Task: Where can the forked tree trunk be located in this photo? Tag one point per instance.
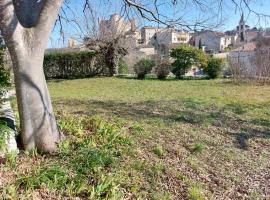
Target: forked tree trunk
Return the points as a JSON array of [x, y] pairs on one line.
[[26, 46], [38, 123]]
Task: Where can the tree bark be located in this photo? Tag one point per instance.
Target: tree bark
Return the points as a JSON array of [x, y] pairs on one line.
[[38, 123], [26, 47]]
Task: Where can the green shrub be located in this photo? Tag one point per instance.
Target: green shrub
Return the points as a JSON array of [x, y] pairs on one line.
[[213, 67], [4, 80], [4, 75], [195, 193], [163, 68], [5, 131], [73, 65], [143, 67], [158, 150], [122, 66], [197, 148], [184, 57]]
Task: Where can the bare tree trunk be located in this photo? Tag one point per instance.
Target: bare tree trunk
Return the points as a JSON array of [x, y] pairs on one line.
[[27, 46], [38, 123]]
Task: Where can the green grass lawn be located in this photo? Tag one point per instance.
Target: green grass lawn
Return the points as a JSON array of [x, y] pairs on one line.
[[151, 139]]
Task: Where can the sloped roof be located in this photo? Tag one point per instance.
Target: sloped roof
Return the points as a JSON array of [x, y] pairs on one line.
[[218, 34], [252, 33], [151, 27], [251, 46]]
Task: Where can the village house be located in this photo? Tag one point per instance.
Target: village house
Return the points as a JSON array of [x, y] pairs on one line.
[[213, 42], [150, 40], [172, 36], [154, 35], [243, 54], [148, 34]]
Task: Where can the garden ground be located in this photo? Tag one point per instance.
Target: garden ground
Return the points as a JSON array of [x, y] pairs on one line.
[[150, 139]]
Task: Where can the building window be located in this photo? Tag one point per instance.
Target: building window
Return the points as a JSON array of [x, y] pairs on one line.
[[181, 39]]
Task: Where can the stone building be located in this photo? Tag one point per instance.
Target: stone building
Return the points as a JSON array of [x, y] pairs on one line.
[[117, 26], [148, 34], [172, 36], [114, 26], [212, 41], [154, 35]]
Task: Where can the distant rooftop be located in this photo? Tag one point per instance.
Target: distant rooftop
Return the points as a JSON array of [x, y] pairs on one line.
[[220, 34], [246, 47], [152, 27]]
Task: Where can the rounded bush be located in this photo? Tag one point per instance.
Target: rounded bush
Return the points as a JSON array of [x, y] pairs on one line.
[[184, 58], [213, 67], [163, 68], [143, 67]]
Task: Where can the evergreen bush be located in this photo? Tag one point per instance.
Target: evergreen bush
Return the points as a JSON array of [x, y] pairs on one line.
[[184, 58], [213, 67], [73, 65], [143, 67]]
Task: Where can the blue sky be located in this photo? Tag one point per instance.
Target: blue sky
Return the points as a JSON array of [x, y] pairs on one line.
[[227, 19]]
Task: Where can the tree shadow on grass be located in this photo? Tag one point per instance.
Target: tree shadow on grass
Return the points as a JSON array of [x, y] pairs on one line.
[[179, 111], [245, 135], [154, 78]]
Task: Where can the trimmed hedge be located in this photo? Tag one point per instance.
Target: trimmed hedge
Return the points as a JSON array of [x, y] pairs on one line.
[[71, 65]]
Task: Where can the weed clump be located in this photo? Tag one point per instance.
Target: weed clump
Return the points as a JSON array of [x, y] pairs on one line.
[[158, 150], [197, 148], [195, 193]]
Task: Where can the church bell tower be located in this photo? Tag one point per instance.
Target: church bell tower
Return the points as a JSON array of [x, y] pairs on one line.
[[242, 29]]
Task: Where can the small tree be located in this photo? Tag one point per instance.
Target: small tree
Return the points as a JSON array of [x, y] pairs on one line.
[[213, 67], [200, 43], [163, 68], [184, 57], [112, 49], [143, 67]]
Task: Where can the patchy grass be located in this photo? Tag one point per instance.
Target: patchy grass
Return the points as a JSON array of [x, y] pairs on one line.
[[88, 164], [191, 139]]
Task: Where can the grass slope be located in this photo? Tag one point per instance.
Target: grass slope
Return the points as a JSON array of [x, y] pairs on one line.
[[193, 139]]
